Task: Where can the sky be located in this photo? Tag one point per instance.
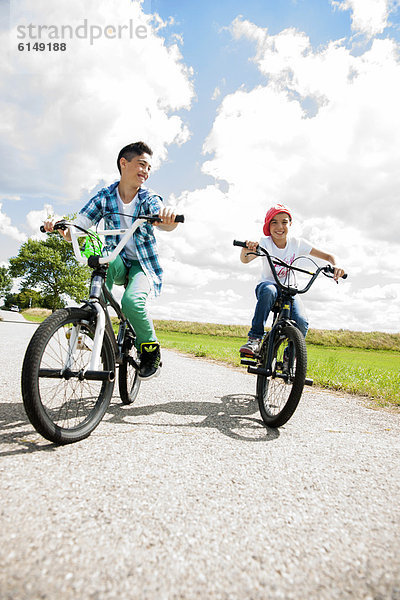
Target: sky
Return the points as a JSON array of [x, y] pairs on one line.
[[245, 105]]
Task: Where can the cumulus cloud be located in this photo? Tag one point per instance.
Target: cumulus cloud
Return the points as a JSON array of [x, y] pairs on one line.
[[367, 16], [321, 134], [67, 113], [9, 230]]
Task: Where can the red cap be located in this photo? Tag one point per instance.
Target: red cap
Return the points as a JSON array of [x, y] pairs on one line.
[[273, 211]]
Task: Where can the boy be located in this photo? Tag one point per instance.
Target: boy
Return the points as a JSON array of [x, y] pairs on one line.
[[277, 241], [138, 262]]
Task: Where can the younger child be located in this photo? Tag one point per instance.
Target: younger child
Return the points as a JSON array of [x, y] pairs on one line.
[[278, 243]]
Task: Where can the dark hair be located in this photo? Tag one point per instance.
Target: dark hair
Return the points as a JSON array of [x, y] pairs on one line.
[[131, 150]]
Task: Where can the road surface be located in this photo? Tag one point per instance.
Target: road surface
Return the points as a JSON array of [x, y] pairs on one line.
[[186, 495]]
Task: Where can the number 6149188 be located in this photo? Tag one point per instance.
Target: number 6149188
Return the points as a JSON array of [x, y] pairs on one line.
[[42, 47]]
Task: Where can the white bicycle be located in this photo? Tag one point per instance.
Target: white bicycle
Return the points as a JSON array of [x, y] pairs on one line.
[[70, 365]]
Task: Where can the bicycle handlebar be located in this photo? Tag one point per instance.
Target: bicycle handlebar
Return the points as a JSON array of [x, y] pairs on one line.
[[125, 235], [325, 269], [150, 219]]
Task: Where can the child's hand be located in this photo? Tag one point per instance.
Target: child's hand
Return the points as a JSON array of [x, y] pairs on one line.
[[167, 219], [49, 227], [337, 273], [167, 216], [252, 246], [245, 256]]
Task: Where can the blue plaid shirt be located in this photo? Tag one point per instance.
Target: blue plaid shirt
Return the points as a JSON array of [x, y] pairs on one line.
[[148, 203]]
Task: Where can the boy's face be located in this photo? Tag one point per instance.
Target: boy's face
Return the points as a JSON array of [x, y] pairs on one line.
[[279, 228], [136, 171]]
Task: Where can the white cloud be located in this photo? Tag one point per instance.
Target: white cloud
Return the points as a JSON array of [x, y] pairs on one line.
[[321, 134], [9, 230], [67, 114], [368, 16]]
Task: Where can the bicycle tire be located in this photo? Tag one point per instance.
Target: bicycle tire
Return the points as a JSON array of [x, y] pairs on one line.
[[65, 410], [279, 394], [128, 374]]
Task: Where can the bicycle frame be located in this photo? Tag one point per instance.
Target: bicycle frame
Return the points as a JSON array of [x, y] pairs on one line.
[[97, 288]]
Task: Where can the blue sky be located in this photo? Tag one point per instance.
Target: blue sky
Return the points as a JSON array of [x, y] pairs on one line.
[[218, 60], [245, 104]]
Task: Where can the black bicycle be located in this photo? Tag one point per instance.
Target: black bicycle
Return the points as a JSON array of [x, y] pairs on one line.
[[70, 365], [281, 363]]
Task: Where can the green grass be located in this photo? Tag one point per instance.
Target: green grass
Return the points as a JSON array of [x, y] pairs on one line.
[[375, 340], [372, 373], [364, 363]]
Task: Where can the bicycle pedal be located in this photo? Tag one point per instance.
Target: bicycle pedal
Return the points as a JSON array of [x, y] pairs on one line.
[[308, 381], [258, 371], [248, 362]]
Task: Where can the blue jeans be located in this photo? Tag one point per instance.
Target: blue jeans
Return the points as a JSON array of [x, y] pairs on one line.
[[267, 293]]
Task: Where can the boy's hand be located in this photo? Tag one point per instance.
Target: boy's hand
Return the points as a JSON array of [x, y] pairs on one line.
[[252, 246], [245, 257], [337, 273], [167, 219], [49, 227]]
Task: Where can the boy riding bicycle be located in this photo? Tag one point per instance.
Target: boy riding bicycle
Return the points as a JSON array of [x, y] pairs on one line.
[[137, 265], [278, 243]]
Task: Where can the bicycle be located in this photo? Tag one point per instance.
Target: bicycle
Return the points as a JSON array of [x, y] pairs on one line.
[[70, 364], [281, 362]]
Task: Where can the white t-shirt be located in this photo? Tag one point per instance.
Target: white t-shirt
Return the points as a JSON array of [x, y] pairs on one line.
[[294, 248], [126, 211]]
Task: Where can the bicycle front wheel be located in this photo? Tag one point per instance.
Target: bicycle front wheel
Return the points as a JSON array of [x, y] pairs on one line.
[[128, 373], [62, 405], [279, 394]]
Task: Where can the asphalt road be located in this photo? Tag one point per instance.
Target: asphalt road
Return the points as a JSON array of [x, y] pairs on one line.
[[186, 495]]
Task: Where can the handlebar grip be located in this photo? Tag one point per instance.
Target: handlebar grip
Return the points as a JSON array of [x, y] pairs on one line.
[[180, 219], [330, 269], [58, 225], [241, 244]]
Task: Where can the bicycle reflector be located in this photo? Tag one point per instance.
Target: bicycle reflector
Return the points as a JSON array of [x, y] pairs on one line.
[[93, 246]]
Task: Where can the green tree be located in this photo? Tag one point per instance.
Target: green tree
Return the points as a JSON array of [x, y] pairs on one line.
[[5, 281], [26, 298], [51, 267]]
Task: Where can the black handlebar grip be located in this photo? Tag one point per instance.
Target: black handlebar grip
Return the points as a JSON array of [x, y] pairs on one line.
[[180, 219], [58, 225], [345, 276], [241, 244]]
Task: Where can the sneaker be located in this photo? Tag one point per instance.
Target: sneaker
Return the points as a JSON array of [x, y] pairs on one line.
[[251, 347], [150, 360]]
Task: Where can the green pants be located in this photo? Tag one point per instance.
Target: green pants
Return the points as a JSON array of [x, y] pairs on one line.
[[134, 300]]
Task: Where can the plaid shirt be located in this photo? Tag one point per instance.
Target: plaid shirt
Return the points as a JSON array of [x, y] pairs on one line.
[[148, 203]]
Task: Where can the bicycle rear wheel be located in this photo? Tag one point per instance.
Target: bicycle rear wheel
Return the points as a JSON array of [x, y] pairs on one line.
[[128, 374], [279, 394], [61, 404]]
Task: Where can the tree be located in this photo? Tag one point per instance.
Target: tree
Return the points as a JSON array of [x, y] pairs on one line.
[[5, 281], [26, 298], [51, 267]]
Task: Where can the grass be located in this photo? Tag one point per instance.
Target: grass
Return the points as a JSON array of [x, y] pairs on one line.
[[371, 373], [364, 363]]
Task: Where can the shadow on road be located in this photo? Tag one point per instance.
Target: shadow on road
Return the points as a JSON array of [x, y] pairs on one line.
[[232, 416], [16, 431]]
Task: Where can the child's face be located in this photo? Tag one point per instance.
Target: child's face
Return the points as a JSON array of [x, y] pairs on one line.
[[136, 170], [279, 228]]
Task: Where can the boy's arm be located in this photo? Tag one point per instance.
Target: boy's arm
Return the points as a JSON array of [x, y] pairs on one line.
[[338, 272], [244, 256]]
